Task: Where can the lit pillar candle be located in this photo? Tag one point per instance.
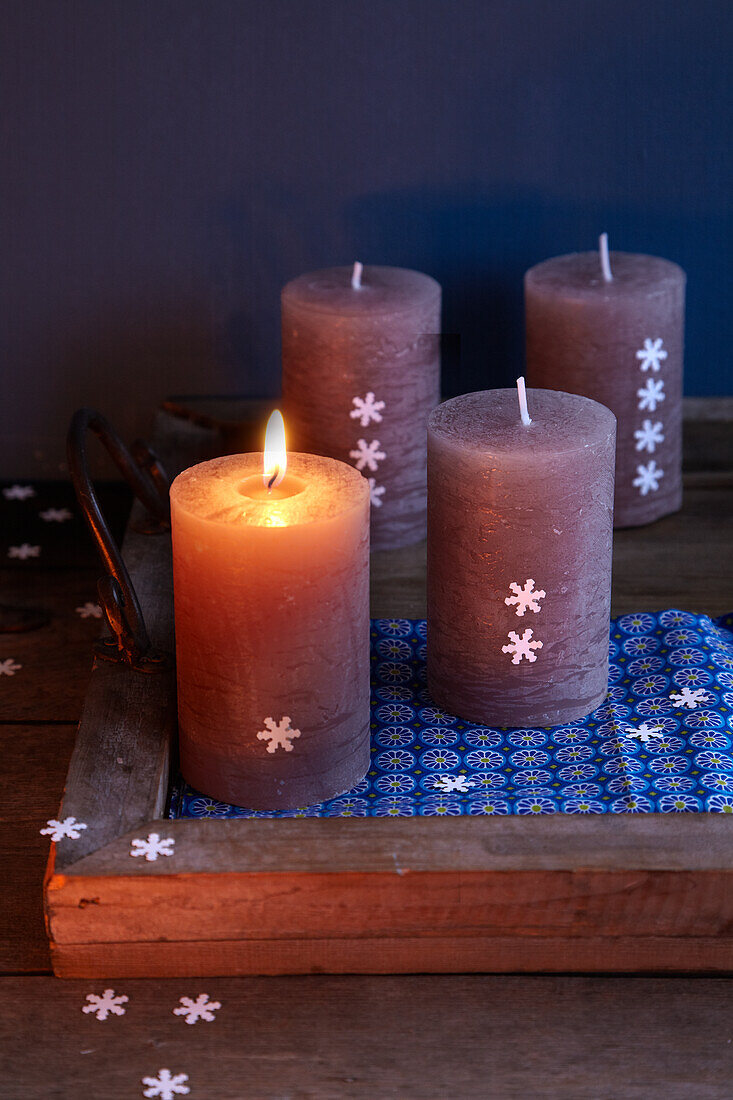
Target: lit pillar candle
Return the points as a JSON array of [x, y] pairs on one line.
[[361, 373], [519, 556], [271, 583], [610, 327]]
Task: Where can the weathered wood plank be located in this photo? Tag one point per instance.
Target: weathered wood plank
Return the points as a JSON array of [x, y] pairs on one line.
[[337, 1038]]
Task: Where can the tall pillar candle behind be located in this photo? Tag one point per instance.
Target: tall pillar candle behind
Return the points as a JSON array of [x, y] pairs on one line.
[[611, 327], [519, 556], [361, 373]]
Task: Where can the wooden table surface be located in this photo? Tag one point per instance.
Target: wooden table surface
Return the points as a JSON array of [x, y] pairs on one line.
[[334, 1037]]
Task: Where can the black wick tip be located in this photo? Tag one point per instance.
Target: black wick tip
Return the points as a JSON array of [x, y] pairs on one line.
[[273, 479]]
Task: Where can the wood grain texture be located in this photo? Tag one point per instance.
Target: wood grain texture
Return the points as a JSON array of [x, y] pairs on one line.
[[358, 1038]]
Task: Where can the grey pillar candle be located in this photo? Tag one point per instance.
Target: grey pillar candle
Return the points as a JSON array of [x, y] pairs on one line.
[[618, 340], [361, 373], [519, 556]]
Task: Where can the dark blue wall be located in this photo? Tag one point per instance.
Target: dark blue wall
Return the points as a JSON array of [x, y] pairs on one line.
[[170, 164]]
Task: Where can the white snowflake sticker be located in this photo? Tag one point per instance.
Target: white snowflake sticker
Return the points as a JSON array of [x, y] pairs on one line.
[[166, 1085], [525, 597], [19, 492], [278, 734], [690, 698], [645, 732], [367, 409], [200, 1009], [521, 647], [376, 492], [24, 551], [108, 1003], [9, 667], [648, 436], [89, 610], [58, 830], [651, 355], [647, 478], [367, 455], [449, 783], [55, 515], [153, 846], [651, 394]]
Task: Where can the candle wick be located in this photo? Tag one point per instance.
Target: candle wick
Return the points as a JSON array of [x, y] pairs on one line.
[[605, 261], [273, 479], [523, 410], [356, 276]]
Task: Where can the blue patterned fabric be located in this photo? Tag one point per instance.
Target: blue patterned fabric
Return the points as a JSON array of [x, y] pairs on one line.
[[642, 751]]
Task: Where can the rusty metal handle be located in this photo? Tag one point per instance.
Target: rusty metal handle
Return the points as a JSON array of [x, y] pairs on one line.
[[145, 475]]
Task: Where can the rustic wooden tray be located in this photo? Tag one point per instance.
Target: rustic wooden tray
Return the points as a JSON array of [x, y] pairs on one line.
[[243, 896]]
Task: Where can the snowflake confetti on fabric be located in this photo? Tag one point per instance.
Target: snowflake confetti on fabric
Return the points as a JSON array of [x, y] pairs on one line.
[[651, 394], [648, 435], [19, 492], [24, 551], [152, 847], [367, 455], [108, 1003], [9, 667], [690, 698], [645, 732], [651, 355], [367, 409], [69, 827], [376, 492], [449, 783], [521, 647], [55, 515], [200, 1009], [279, 734], [166, 1085], [525, 597], [89, 610], [647, 478]]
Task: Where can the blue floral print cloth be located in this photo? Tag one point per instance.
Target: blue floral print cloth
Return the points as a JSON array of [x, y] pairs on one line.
[[660, 743]]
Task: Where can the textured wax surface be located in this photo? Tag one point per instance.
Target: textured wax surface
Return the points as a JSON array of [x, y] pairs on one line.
[[429, 762], [341, 345], [620, 343], [513, 507], [272, 633]]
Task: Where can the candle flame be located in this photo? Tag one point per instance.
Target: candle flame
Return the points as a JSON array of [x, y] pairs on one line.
[[275, 458]]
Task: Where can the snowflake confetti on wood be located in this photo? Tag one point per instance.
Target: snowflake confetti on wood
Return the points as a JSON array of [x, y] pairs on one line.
[[525, 597], [521, 647], [279, 734], [449, 783], [690, 698], [367, 455], [648, 436], [24, 551], [89, 610], [55, 515], [108, 1003], [645, 732], [367, 409], [166, 1085], [200, 1009], [19, 492], [69, 827], [152, 847], [651, 355], [376, 492], [9, 667], [647, 478], [651, 394]]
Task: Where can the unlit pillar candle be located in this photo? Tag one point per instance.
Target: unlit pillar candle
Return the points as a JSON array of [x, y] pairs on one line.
[[519, 556], [361, 373], [272, 629], [616, 335]]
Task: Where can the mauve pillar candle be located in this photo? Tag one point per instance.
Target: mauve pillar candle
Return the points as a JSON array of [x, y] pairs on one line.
[[519, 556], [361, 373], [619, 340]]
